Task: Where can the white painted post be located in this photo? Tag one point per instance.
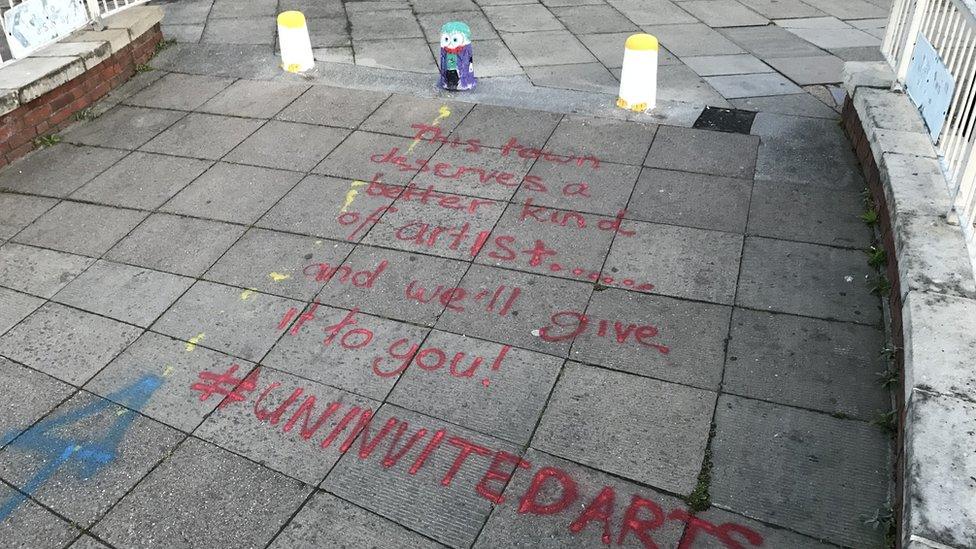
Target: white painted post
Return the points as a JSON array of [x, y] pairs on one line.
[[95, 14], [915, 25], [638, 77], [296, 47]]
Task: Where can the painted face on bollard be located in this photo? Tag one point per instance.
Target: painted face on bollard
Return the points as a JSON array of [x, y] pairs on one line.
[[457, 60]]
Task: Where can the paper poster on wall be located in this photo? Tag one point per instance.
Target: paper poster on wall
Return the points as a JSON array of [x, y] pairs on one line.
[[930, 86], [35, 23]]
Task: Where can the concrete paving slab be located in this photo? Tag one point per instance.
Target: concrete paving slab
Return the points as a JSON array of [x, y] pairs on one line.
[[68, 344], [182, 33], [773, 537], [763, 451], [716, 65], [837, 38], [493, 126], [820, 216], [582, 424], [723, 154], [230, 9], [38, 271], [691, 200], [807, 279], [397, 115], [18, 211], [598, 18], [332, 106], [186, 490], [313, 8], [88, 542], [363, 155], [849, 9], [776, 9], [583, 77], [138, 448], [30, 525], [239, 322], [326, 32], [57, 171], [605, 139], [529, 18], [45, 394], [190, 11], [468, 170], [652, 12], [142, 180], [810, 70], [369, 24], [801, 104], [770, 42], [681, 84], [484, 386], [287, 146], [232, 192], [431, 23], [179, 364], [256, 30], [123, 127], [805, 150], [692, 39], [84, 229], [179, 91], [605, 190], [752, 85], [494, 59], [134, 295], [837, 374], [204, 136], [14, 307], [723, 13], [609, 49], [679, 261], [176, 244], [342, 54], [408, 54], [557, 47], [253, 98]]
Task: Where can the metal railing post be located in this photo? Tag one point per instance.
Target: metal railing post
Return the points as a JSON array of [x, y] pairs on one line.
[[911, 37]]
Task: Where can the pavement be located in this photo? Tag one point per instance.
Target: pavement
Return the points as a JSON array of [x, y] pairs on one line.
[[249, 309]]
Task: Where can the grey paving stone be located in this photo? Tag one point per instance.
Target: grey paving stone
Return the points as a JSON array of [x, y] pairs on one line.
[[123, 127], [681, 84], [232, 192], [752, 85], [581, 423], [494, 59], [805, 150], [609, 49], [593, 19], [826, 22], [142, 180], [547, 48], [402, 54], [607, 140], [775, 9], [836, 372], [867, 53], [88, 542], [412, 226], [494, 126], [370, 361], [606, 190], [692, 39], [277, 263], [446, 509], [849, 9], [254, 98], [19, 382], [692, 200], [14, 307], [564, 250], [807, 279], [203, 136], [704, 151], [134, 85], [230, 8], [810, 70], [258, 30], [723, 13], [481, 29], [770, 42], [679, 261], [507, 527], [389, 291], [226, 319], [329, 32], [18, 211], [340, 107], [369, 24], [84, 229], [176, 244], [188, 11], [190, 34], [342, 54], [327, 521], [436, 6], [801, 104], [772, 537], [592, 77], [846, 460], [688, 345], [716, 65], [141, 444], [287, 145], [131, 294], [520, 322], [397, 114], [363, 155], [190, 489], [652, 12], [237, 428], [313, 8], [795, 211], [522, 18], [58, 170], [38, 271], [31, 526], [180, 91], [480, 385], [68, 344], [837, 38], [179, 364]]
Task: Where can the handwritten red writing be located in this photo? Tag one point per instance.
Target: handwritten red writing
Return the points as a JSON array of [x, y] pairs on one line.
[[567, 325]]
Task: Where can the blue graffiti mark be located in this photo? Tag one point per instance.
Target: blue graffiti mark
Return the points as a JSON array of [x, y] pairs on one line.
[[90, 455]]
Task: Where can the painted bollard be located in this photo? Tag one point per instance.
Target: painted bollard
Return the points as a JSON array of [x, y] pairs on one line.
[[296, 47], [457, 61], [638, 78]]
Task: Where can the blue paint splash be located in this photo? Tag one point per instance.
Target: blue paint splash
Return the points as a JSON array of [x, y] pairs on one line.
[[91, 456]]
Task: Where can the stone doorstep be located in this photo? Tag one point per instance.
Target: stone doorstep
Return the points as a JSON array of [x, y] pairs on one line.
[[938, 305], [27, 79]]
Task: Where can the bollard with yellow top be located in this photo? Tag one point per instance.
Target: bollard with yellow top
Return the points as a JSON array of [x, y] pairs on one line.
[[638, 77], [296, 47]]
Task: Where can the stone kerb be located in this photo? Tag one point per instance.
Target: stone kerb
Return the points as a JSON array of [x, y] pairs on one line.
[[933, 311]]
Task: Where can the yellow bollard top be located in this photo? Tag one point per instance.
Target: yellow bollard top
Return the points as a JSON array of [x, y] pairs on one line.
[[641, 42], [291, 19]]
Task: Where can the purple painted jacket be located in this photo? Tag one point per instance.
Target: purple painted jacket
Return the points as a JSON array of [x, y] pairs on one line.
[[457, 60]]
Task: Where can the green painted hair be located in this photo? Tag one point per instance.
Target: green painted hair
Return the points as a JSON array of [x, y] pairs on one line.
[[457, 26]]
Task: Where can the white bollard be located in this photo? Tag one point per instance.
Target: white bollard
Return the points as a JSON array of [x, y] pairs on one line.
[[638, 77], [296, 47]]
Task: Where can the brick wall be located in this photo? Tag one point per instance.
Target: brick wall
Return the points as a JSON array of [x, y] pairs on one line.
[[53, 111]]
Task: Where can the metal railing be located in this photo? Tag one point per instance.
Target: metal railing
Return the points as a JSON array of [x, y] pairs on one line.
[[950, 27]]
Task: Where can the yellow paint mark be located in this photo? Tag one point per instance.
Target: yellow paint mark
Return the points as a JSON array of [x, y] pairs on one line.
[[318, 242], [246, 294], [120, 412], [442, 113], [278, 277], [192, 344], [167, 371], [351, 194]]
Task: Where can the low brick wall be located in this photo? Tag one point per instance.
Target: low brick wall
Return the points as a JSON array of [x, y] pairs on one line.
[[54, 109]]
